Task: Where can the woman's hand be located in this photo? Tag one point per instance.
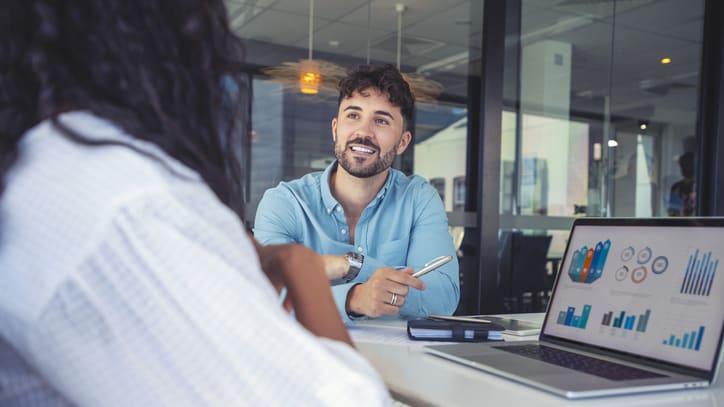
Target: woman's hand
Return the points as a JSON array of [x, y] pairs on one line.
[[336, 266], [302, 272]]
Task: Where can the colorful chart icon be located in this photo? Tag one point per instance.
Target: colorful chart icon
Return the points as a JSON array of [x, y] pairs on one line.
[[587, 263], [627, 253], [659, 265], [621, 273], [644, 255], [638, 275]]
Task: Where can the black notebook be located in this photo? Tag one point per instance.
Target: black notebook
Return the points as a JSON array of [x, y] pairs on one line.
[[512, 326], [453, 331]]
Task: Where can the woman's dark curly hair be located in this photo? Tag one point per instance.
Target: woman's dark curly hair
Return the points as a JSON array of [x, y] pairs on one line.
[[165, 71], [385, 78]]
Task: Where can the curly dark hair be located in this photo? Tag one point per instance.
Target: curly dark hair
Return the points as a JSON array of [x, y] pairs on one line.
[[165, 71], [388, 80]]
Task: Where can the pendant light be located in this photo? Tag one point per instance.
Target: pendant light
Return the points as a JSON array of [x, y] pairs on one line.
[[309, 76]]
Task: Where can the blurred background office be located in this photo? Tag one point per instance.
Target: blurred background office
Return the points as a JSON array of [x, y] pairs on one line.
[[530, 113]]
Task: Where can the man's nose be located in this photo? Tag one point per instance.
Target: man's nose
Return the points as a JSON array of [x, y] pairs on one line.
[[364, 129]]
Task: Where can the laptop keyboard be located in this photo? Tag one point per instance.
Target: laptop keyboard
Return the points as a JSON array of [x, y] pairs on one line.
[[581, 363]]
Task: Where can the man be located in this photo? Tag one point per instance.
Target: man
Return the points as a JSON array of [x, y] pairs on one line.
[[682, 196], [373, 224]]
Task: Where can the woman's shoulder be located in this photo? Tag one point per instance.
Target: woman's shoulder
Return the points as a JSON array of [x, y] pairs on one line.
[[106, 156]]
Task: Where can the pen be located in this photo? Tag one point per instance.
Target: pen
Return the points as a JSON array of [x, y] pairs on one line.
[[432, 265], [459, 319]]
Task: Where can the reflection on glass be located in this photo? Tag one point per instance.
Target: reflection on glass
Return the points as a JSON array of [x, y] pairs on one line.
[[441, 159], [599, 113], [601, 123]]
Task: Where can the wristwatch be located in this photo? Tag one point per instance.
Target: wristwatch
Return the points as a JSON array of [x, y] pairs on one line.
[[355, 261]]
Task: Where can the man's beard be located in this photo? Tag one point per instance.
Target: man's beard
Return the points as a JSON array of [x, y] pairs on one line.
[[369, 169]]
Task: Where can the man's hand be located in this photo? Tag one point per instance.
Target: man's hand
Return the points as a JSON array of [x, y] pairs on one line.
[[384, 293], [335, 266]]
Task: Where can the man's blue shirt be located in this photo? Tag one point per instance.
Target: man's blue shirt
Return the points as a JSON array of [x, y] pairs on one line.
[[404, 225]]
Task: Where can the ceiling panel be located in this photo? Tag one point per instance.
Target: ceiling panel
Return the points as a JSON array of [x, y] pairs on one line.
[[451, 26], [327, 9], [275, 27], [437, 33]]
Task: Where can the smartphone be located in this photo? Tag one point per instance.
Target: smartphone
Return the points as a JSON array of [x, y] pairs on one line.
[[432, 265]]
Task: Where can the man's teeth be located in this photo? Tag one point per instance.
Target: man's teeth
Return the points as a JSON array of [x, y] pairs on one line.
[[362, 150]]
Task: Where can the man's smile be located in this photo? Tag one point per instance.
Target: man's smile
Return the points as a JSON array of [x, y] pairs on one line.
[[362, 150]]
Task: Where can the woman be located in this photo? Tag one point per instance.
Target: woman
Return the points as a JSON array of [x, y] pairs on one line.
[[127, 275]]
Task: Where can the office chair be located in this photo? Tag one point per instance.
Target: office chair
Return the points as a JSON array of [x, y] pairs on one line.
[[523, 281]]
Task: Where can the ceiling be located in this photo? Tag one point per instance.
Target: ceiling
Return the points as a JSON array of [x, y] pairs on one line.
[[442, 39]]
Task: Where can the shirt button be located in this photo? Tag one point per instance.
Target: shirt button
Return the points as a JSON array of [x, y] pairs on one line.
[[343, 231], [339, 209], [359, 249]]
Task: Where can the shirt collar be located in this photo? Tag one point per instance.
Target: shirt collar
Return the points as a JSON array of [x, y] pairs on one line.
[[330, 203]]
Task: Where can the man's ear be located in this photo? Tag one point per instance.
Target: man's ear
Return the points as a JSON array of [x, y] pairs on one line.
[[404, 142], [334, 129]]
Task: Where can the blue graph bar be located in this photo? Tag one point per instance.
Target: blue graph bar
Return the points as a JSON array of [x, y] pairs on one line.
[[698, 338], [699, 275], [618, 320], [689, 340], [569, 316], [584, 316], [643, 321]]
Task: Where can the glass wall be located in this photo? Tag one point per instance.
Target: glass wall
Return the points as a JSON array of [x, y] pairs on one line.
[[599, 120], [598, 115]]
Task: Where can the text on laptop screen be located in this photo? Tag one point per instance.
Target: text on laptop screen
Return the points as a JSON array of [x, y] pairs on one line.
[[654, 291]]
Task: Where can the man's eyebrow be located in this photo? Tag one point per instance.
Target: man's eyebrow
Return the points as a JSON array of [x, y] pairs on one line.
[[379, 112], [385, 113]]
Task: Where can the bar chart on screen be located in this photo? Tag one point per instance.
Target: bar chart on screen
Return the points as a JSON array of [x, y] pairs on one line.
[[627, 321], [699, 275], [569, 317], [686, 340]]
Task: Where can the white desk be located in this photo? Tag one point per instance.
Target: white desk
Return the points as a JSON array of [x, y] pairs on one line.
[[420, 379]]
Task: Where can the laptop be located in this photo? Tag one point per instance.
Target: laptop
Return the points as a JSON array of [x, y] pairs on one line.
[[637, 306]]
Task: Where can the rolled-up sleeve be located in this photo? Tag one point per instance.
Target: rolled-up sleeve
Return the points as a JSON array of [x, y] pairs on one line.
[[429, 238]]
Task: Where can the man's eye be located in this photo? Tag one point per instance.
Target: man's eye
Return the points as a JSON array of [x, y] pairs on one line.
[[353, 116], [382, 121]]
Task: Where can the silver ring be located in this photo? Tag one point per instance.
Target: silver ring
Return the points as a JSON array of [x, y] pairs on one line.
[[394, 299]]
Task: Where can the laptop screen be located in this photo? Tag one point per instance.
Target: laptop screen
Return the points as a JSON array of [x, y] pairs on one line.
[[650, 287]]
